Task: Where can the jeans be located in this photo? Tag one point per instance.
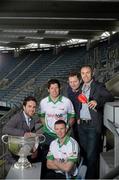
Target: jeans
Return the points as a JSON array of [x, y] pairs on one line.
[[89, 140]]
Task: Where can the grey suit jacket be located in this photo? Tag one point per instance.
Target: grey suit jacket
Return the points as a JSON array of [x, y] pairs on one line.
[[17, 125]]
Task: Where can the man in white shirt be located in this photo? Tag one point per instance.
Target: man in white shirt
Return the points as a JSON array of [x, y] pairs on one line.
[[55, 107], [63, 154], [51, 109]]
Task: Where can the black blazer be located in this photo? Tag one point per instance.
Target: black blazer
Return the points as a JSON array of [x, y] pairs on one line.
[[17, 125], [101, 95]]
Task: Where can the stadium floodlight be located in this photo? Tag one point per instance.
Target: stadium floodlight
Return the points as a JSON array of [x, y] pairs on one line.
[[34, 37], [56, 32], [20, 30], [4, 42]]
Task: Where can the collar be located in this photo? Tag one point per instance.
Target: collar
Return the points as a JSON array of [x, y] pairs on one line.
[[89, 84], [26, 117], [66, 139], [58, 99], [76, 90]]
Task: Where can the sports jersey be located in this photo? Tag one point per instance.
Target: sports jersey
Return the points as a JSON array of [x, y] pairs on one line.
[[68, 151], [53, 111]]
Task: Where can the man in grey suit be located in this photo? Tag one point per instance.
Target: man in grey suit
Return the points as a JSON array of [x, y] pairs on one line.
[[22, 123]]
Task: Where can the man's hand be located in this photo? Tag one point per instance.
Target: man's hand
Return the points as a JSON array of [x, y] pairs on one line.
[[29, 134], [78, 121], [34, 154], [92, 104]]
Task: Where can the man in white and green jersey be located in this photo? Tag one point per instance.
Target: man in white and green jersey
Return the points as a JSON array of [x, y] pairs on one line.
[[55, 107], [63, 154], [51, 109]]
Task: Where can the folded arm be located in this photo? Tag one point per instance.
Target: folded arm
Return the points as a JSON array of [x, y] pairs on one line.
[[57, 165]]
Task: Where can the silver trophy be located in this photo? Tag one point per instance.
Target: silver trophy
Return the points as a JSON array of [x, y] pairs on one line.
[[23, 147]]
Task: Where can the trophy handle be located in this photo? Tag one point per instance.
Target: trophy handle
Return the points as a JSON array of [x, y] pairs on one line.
[[3, 139]]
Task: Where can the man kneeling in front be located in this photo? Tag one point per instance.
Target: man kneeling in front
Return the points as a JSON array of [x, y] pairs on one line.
[[63, 154]]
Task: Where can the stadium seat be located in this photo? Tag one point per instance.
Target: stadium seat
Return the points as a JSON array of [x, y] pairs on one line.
[[82, 169]]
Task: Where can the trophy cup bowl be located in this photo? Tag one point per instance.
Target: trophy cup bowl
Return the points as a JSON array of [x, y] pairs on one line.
[[23, 147]]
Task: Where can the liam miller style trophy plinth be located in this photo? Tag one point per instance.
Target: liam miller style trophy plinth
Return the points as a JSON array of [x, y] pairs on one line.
[[22, 146]]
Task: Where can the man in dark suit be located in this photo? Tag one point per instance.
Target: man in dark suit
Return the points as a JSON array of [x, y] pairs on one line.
[[74, 81], [22, 123], [90, 119]]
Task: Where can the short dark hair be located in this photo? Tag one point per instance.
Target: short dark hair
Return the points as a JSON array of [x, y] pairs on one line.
[[87, 66], [53, 81], [74, 73], [29, 98], [60, 122]]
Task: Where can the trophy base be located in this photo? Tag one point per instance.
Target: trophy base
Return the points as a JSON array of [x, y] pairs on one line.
[[22, 163]]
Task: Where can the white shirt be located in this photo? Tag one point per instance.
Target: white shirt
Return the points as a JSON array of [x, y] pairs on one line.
[[67, 152], [28, 119], [53, 111]]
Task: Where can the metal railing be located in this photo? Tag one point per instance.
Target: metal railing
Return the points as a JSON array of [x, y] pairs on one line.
[[112, 174]]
